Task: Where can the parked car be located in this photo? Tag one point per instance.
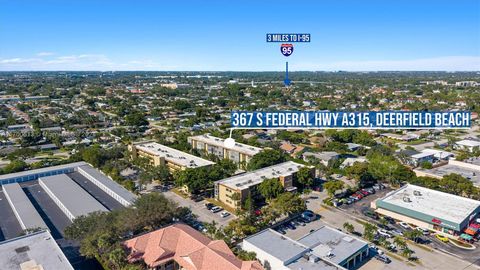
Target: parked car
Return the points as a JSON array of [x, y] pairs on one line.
[[299, 222], [309, 216], [225, 214], [442, 238], [216, 209], [196, 198], [370, 214], [384, 233], [364, 192], [423, 230], [396, 232], [290, 225], [389, 219], [383, 258], [404, 225], [209, 205]]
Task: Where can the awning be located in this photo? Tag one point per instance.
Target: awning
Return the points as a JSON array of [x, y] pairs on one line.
[[475, 225], [466, 236], [470, 231]]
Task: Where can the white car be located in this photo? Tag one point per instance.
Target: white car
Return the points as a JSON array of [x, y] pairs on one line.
[[225, 214], [423, 230], [404, 225], [384, 233], [216, 209]]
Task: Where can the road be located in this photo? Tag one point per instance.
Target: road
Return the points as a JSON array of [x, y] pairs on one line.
[[429, 258]]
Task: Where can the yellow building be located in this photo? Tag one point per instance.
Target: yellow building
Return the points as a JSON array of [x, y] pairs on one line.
[[174, 159], [240, 154], [244, 184]]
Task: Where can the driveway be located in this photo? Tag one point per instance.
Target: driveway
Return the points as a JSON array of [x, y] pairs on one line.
[[199, 209]]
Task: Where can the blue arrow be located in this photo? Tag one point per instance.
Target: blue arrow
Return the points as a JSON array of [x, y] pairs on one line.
[[286, 81]]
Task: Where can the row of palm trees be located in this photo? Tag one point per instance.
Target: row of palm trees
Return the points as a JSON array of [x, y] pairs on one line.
[[370, 231]]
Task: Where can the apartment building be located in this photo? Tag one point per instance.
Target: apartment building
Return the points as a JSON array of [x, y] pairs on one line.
[[246, 183], [174, 159], [239, 154]]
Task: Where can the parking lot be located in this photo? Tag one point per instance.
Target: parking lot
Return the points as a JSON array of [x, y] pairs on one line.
[[199, 209], [358, 209]]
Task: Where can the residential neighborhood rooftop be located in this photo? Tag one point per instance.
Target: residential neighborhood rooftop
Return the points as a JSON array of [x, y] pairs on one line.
[[248, 179], [173, 155], [239, 147]]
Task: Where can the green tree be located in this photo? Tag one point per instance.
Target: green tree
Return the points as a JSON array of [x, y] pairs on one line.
[[265, 158], [369, 231], [270, 188], [407, 253], [348, 227], [288, 203], [399, 242], [333, 186], [305, 177]]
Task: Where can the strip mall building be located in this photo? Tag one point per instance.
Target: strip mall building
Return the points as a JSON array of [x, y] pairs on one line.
[[430, 209]]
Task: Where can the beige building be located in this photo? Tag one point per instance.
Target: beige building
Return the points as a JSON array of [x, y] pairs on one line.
[[246, 183], [174, 159], [239, 154]]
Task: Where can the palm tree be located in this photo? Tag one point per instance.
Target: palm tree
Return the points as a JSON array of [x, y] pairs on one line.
[[348, 227], [369, 231], [413, 235], [407, 253], [399, 242]]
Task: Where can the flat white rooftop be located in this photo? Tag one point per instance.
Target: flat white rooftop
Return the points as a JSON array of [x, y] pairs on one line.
[[75, 199], [327, 241], [470, 173], [239, 147], [108, 183], [42, 170], [434, 203], [248, 179], [468, 143], [37, 249], [23, 209], [173, 155]]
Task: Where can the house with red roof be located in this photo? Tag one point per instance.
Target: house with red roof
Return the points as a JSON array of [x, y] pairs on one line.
[[180, 247]]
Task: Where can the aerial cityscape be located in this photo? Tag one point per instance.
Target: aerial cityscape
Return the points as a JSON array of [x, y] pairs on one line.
[[337, 135]]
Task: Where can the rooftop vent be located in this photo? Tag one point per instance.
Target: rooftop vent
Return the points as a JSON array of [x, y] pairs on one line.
[[22, 249], [313, 259], [406, 199], [417, 193]]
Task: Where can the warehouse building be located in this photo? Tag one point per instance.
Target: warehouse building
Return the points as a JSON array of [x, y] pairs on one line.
[[25, 176], [36, 251], [110, 187], [174, 159], [429, 209], [103, 182], [246, 183], [240, 154], [73, 200], [24, 211]]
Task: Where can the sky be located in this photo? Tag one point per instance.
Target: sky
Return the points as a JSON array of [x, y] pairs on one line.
[[229, 35]]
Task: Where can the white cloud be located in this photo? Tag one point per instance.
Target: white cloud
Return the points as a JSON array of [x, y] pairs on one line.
[[103, 62], [447, 63]]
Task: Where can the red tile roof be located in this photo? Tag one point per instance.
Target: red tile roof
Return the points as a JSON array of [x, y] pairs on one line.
[[188, 247]]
